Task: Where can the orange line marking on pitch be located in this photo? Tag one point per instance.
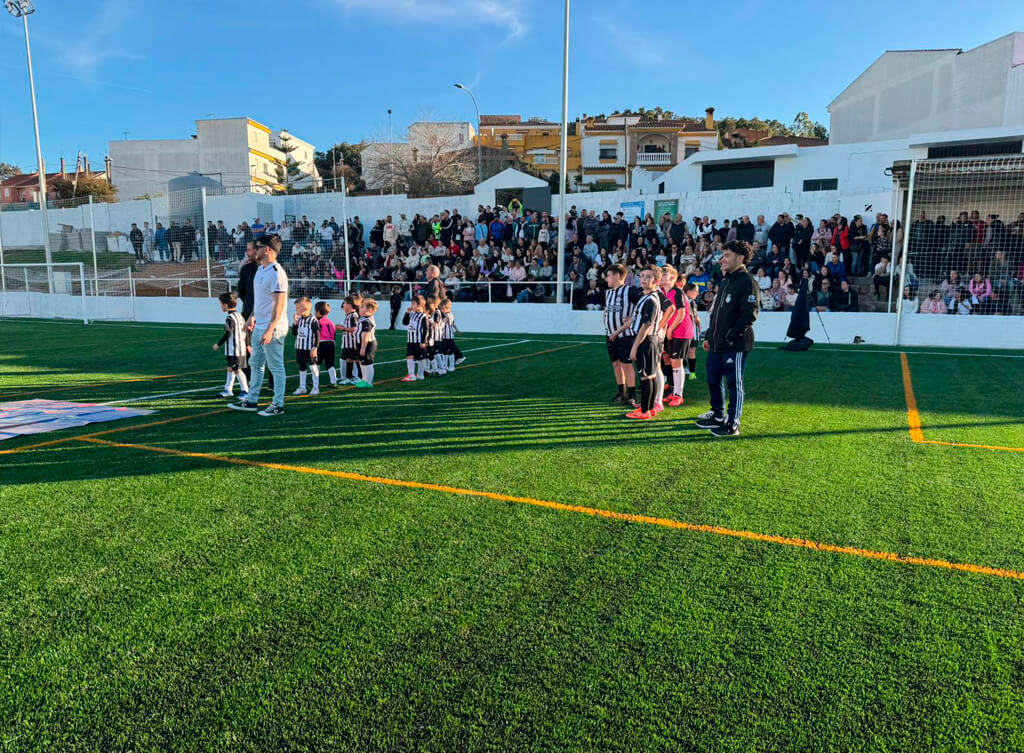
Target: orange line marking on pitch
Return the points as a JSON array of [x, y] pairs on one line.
[[914, 417], [594, 512], [63, 440]]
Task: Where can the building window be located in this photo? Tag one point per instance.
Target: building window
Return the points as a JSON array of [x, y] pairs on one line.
[[738, 175], [975, 150], [821, 184], [661, 187], [690, 150], [607, 152]]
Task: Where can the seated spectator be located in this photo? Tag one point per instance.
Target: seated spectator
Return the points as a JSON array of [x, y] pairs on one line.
[[822, 298], [700, 279], [980, 289], [595, 298], [910, 302], [836, 268], [949, 288], [791, 296], [881, 277], [844, 299], [764, 282], [963, 303], [934, 304]]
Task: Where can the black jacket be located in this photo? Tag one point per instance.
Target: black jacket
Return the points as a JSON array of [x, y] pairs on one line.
[[733, 313], [781, 235], [745, 232], [246, 273]]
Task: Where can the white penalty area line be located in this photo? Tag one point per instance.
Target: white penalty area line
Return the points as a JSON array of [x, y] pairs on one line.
[[147, 398]]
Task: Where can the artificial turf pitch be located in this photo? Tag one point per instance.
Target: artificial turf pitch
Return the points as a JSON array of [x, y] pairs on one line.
[[157, 601]]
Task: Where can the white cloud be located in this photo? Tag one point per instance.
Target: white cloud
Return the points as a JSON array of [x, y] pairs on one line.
[[508, 15], [94, 45], [644, 50]]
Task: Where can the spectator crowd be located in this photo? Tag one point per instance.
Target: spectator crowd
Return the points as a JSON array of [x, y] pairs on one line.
[[509, 254]]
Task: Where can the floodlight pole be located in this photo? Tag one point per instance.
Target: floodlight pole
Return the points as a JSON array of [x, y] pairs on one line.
[[23, 9], [563, 226], [479, 136], [906, 249], [344, 228]]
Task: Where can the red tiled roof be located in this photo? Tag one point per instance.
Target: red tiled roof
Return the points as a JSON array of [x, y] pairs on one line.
[[798, 140]]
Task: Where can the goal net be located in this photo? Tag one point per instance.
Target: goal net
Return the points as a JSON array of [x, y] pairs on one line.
[[44, 291], [965, 240]]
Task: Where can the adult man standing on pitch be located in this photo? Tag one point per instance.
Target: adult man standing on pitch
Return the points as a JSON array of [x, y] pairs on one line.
[[269, 326], [729, 340]]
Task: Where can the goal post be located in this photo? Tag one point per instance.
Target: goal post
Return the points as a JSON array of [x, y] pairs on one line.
[[25, 291]]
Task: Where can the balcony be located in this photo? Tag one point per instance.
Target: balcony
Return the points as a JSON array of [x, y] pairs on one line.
[[654, 159]]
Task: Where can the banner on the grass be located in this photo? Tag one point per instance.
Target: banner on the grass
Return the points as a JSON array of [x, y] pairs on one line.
[[23, 417]]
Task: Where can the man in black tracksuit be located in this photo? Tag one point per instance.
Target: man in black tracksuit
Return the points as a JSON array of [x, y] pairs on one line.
[[729, 340]]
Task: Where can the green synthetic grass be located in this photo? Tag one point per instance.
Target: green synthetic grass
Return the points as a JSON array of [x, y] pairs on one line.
[[156, 602]]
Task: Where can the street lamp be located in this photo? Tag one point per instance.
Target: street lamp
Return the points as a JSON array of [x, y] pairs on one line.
[[563, 161], [479, 136], [23, 9], [391, 151]]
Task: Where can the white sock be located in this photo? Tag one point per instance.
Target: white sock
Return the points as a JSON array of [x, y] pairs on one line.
[[421, 367], [410, 364], [659, 388], [333, 374], [243, 383], [229, 384], [451, 363], [677, 382], [315, 370], [367, 374], [302, 380]]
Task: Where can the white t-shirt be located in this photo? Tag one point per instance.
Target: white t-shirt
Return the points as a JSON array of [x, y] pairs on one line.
[[269, 280]]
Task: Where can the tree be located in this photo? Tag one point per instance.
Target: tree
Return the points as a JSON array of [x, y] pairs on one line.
[[804, 126], [435, 164], [8, 171], [288, 174], [345, 158], [97, 187]]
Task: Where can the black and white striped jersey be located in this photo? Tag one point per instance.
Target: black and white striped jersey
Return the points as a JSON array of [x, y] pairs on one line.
[[648, 310], [449, 327], [348, 339], [415, 332], [307, 332], [619, 305], [364, 325], [233, 338]]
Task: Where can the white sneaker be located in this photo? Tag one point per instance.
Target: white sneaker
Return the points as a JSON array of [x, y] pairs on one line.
[[346, 380], [315, 391], [459, 360], [442, 372], [420, 377], [225, 393], [300, 391]]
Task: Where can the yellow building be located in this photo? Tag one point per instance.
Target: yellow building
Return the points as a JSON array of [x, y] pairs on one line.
[[536, 142]]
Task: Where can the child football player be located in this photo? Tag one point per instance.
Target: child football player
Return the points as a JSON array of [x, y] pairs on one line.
[[307, 336], [233, 341], [325, 354], [349, 346], [366, 335], [448, 330], [644, 349], [415, 346]]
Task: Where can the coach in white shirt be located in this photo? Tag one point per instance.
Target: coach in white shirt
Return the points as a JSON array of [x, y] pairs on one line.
[[269, 326]]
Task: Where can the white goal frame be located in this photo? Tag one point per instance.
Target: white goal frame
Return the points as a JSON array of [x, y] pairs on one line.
[[16, 285]]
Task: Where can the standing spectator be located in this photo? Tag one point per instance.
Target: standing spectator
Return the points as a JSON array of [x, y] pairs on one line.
[[390, 233], [135, 237], [802, 241], [148, 237], [404, 230], [781, 235], [729, 341], [163, 249], [859, 252]]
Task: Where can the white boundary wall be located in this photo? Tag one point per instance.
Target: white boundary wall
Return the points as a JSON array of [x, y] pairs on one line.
[[997, 332]]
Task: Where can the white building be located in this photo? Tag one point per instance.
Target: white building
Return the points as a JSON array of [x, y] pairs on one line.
[[925, 91], [234, 151]]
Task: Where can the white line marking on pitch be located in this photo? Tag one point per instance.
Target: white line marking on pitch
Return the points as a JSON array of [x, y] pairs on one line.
[[146, 398]]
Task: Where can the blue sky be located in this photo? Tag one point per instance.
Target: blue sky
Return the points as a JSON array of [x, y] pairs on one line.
[[329, 69]]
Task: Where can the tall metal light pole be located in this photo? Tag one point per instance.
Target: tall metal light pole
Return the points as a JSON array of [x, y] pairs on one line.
[[391, 151], [479, 136], [562, 162], [23, 9]]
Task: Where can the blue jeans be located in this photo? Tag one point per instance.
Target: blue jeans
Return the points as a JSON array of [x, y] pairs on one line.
[[271, 355], [730, 367]]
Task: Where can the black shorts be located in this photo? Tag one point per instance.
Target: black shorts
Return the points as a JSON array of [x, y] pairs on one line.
[[371, 353], [646, 359], [304, 358], [625, 345], [414, 350], [350, 354], [448, 347], [325, 354], [234, 363], [676, 349], [431, 350]]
